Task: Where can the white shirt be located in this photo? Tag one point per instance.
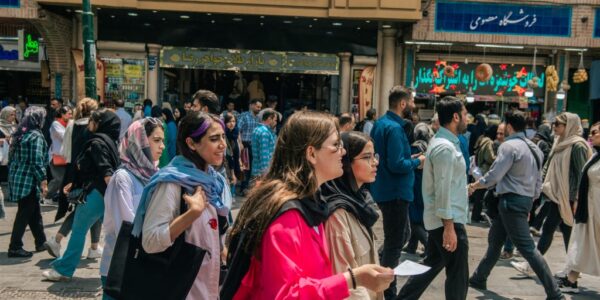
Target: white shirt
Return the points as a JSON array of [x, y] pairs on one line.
[[126, 120], [57, 132], [121, 201]]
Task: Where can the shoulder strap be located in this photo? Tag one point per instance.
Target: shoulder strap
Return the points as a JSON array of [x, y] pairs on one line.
[[537, 159]]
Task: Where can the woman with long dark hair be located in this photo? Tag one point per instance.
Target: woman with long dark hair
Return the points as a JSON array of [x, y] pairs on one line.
[[349, 228], [308, 153], [171, 134], [234, 145], [27, 180], [95, 166], [201, 140], [58, 163]]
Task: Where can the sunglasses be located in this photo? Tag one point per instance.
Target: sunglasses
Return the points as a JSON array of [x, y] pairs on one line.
[[557, 123]]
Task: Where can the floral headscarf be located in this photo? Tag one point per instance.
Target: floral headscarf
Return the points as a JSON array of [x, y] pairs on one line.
[[134, 150]]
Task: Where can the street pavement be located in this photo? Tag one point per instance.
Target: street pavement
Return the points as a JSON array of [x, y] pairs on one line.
[[21, 278]]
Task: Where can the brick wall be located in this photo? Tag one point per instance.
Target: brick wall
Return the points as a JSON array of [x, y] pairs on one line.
[[581, 33], [28, 10], [57, 33]]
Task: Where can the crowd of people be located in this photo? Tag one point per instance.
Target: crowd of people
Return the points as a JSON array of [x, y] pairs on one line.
[[315, 185]]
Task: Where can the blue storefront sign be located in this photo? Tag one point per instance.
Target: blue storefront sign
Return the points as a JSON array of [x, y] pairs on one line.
[[10, 3], [597, 24], [495, 18]]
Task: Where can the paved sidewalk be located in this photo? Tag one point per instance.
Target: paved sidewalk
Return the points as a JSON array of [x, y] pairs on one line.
[[21, 278]]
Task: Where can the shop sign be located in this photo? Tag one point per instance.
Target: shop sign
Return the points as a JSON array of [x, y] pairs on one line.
[[597, 24], [152, 59], [6, 54], [114, 69], [31, 48], [496, 18], [132, 71], [508, 80], [10, 3], [249, 60]]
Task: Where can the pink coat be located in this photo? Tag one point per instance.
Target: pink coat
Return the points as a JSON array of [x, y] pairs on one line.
[[294, 264]]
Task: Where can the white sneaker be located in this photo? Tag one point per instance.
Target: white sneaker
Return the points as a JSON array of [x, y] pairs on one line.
[[53, 275], [53, 247], [92, 254], [523, 267]]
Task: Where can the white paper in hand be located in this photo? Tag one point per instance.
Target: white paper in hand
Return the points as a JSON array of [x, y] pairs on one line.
[[409, 268]]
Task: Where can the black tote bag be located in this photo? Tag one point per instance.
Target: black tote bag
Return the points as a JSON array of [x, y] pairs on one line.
[[136, 274]]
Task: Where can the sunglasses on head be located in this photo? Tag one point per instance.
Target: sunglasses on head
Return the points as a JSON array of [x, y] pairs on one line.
[[557, 123]]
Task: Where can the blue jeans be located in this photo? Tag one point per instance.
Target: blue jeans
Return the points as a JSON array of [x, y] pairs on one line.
[[512, 222], [85, 216]]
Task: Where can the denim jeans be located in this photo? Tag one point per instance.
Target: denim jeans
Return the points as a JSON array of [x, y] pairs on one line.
[[395, 233], [456, 264], [512, 221], [67, 225], [85, 216]]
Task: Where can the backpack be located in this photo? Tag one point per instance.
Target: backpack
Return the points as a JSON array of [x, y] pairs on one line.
[[238, 259]]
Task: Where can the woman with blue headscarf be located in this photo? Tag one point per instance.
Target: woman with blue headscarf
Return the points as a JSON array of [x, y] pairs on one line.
[[27, 180]]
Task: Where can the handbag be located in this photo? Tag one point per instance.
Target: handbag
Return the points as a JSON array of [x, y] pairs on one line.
[[136, 274], [77, 195], [58, 160]]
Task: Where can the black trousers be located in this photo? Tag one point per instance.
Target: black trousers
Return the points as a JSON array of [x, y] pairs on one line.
[[512, 222], [396, 231], [456, 264], [477, 199], [244, 185], [417, 234], [538, 220], [553, 220], [28, 213]]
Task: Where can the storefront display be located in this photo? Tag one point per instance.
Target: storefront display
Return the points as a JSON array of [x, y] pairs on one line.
[[125, 79]]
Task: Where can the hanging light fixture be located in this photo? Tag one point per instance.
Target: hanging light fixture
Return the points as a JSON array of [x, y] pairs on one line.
[[412, 89], [560, 95], [533, 82], [470, 95]]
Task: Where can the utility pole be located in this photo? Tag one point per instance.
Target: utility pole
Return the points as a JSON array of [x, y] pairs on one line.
[[89, 50]]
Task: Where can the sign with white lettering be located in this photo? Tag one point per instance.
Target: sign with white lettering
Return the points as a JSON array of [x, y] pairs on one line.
[[10, 3], [597, 24], [496, 18]]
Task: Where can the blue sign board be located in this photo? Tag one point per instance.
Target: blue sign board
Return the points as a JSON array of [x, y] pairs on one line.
[[495, 18], [597, 24], [10, 3]]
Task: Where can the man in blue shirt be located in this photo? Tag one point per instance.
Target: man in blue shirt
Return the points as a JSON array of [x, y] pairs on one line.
[[393, 187], [263, 142], [517, 175], [446, 207], [247, 123]]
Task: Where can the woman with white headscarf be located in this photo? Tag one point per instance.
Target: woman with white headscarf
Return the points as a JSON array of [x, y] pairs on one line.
[[8, 126], [562, 174]]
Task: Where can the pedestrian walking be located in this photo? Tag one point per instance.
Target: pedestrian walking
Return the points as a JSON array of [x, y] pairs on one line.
[[308, 153], [393, 188], [139, 151], [516, 167], [189, 178], [247, 123], [446, 207], [58, 163], [234, 146], [8, 116], [205, 101], [76, 135], [171, 140], [27, 180], [563, 169], [124, 116], [583, 255], [352, 211], [95, 166], [484, 156], [263, 143]]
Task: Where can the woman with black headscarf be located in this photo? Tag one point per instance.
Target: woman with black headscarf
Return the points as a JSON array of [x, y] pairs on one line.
[[352, 210], [477, 130], [95, 166], [27, 180], [171, 133]]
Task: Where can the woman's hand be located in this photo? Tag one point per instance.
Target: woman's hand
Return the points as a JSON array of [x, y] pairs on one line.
[[44, 188], [196, 202], [67, 188], [374, 277]]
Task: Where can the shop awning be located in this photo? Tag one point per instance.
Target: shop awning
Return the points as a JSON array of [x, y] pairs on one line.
[[249, 60]]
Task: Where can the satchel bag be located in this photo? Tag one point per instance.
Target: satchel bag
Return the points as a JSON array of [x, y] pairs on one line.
[[136, 274], [77, 195]]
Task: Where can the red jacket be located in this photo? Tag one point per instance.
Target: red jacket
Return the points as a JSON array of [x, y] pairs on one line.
[[294, 264]]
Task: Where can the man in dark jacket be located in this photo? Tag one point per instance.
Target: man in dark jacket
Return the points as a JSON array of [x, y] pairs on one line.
[[393, 187]]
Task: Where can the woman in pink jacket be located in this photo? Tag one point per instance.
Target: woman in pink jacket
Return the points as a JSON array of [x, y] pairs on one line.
[[290, 254]]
